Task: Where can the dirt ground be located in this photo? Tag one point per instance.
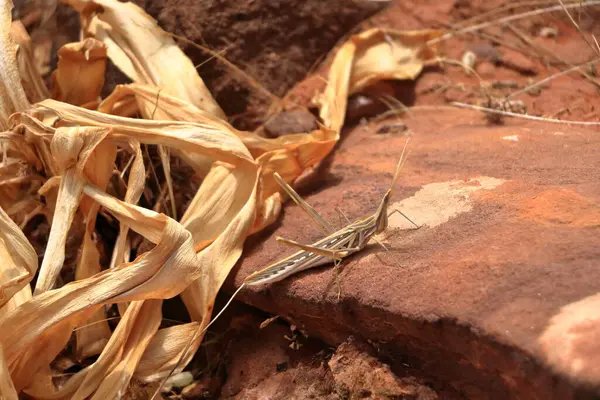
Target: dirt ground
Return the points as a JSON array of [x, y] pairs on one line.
[[280, 44]]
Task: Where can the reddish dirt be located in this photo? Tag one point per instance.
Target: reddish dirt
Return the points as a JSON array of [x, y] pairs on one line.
[[278, 362]]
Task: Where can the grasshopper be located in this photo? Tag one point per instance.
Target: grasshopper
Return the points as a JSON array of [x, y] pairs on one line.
[[334, 247]]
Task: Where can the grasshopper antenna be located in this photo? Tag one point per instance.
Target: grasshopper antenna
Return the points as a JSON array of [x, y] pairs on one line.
[[399, 167], [400, 164]]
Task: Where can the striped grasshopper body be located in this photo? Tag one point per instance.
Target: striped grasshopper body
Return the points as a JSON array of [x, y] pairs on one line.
[[336, 246]]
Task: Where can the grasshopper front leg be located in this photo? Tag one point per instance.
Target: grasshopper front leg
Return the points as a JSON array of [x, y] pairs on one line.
[[404, 215], [323, 224]]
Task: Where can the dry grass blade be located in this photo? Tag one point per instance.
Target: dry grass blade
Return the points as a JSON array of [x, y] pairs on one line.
[[594, 49], [68, 144], [511, 18], [524, 116], [91, 339], [551, 77]]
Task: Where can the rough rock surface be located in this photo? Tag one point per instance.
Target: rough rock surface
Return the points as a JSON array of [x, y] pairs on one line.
[[278, 363], [510, 237], [357, 374]]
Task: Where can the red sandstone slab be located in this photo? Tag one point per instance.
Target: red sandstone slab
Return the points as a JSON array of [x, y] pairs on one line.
[[512, 226]]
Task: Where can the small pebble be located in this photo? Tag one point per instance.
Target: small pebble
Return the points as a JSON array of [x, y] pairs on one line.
[[548, 32], [179, 380], [468, 60], [289, 122], [486, 51], [397, 127]]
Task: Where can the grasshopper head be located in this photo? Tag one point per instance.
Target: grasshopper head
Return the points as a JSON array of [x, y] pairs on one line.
[[381, 216]]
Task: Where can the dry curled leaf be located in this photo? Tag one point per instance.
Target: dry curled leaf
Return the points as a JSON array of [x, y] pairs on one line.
[[79, 76], [30, 75], [143, 51], [74, 149]]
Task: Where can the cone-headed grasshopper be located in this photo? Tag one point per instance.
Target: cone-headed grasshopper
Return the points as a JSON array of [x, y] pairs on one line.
[[336, 246]]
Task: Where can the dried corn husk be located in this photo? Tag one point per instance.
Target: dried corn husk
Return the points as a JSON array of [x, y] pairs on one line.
[[30, 76], [144, 56], [76, 147], [79, 77], [12, 95]]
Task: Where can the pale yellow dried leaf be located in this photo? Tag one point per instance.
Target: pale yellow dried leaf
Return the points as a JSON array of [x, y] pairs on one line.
[[93, 336], [79, 76], [161, 273], [18, 259], [71, 149], [221, 255], [30, 75], [122, 353], [205, 139], [42, 383], [12, 95], [390, 54], [311, 147], [165, 346], [217, 260], [145, 53], [135, 186], [165, 159], [7, 389], [371, 56]]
